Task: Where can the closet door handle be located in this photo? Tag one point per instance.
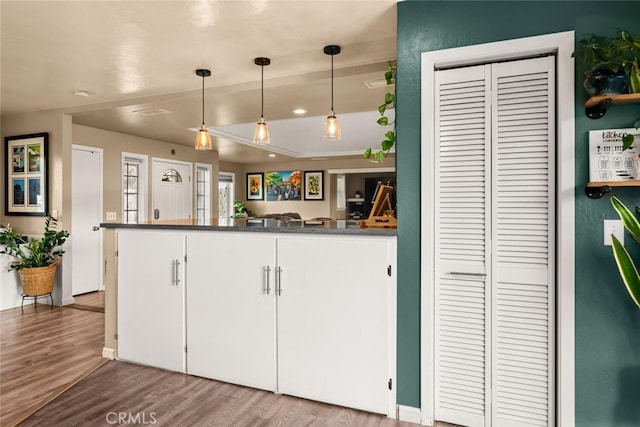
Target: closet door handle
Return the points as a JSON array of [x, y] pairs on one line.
[[176, 276], [460, 273], [267, 273], [279, 281]]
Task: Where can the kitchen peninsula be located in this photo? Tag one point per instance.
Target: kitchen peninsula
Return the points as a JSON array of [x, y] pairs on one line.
[[305, 308]]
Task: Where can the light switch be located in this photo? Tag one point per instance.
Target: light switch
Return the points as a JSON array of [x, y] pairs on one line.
[[615, 227], [112, 216]]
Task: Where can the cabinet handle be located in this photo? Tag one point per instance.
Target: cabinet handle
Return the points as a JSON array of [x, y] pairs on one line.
[[279, 281], [176, 279], [267, 272]]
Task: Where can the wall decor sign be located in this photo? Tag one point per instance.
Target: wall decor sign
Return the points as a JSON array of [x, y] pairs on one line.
[[314, 185], [607, 159], [255, 186], [26, 183], [284, 185]]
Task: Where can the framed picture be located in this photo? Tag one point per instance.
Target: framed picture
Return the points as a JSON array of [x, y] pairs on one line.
[[255, 186], [25, 178], [283, 186], [314, 185]]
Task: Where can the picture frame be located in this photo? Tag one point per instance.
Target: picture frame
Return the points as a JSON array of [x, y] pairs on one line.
[[283, 186], [255, 186], [314, 185], [26, 180]]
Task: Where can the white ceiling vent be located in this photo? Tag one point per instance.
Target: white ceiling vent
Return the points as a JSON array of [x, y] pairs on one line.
[[152, 111]]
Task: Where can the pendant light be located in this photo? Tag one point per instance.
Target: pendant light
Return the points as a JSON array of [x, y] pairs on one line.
[[261, 136], [203, 139], [332, 126]]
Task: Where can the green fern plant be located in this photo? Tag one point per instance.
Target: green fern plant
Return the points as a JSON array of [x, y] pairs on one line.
[[626, 266]]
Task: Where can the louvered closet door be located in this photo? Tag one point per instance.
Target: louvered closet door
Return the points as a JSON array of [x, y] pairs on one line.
[[494, 244], [461, 225], [523, 243]]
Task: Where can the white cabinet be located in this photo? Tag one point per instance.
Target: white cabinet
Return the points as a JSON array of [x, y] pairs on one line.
[[309, 316], [151, 286], [231, 308], [334, 307]]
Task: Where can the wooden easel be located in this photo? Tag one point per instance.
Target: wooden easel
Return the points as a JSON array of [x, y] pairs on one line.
[[381, 215]]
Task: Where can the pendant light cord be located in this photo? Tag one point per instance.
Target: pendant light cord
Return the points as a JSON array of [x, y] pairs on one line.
[[203, 100], [332, 84], [262, 92]]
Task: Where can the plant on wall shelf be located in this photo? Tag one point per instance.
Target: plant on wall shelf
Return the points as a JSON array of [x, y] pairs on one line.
[[611, 63], [626, 266], [389, 103]]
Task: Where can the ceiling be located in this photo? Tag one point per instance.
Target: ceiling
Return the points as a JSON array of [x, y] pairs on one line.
[[135, 58]]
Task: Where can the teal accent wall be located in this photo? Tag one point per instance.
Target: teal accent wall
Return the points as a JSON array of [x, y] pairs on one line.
[[607, 339]]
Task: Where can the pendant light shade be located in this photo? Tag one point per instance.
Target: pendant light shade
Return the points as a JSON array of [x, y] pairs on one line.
[[261, 135], [203, 139], [332, 126]]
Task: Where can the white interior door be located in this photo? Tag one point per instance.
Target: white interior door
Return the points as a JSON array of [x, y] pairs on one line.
[[86, 208], [171, 190], [494, 244]]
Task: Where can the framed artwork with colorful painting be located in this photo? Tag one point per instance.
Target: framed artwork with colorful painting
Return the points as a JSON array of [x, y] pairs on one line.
[[314, 185], [283, 186], [255, 186]]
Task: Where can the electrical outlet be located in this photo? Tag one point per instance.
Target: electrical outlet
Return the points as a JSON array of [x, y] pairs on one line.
[[615, 227], [112, 216]]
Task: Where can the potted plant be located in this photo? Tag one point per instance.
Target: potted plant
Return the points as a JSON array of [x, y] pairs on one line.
[[240, 210], [611, 63], [36, 258]]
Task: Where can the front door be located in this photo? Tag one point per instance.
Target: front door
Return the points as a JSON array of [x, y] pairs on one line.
[[171, 190], [86, 215]]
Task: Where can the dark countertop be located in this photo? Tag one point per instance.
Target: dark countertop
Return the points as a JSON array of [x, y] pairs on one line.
[[337, 227]]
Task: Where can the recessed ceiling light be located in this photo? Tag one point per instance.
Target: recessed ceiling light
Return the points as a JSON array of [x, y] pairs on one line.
[[299, 111], [272, 155], [79, 92]]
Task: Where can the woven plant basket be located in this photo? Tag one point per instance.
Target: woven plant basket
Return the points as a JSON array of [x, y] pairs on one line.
[[38, 280]]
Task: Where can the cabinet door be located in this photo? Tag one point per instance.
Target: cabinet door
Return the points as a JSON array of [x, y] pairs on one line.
[[151, 298], [231, 314], [333, 320]]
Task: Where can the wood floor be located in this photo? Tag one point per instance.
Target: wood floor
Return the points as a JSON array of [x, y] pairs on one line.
[[52, 373], [42, 352], [173, 399]]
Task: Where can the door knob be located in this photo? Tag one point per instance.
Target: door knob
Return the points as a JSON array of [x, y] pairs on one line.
[[96, 228]]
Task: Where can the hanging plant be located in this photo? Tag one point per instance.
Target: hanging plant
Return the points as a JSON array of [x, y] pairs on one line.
[[389, 103]]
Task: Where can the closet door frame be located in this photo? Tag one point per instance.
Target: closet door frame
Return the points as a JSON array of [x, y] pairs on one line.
[[562, 44]]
